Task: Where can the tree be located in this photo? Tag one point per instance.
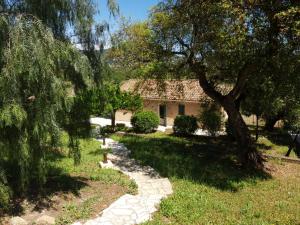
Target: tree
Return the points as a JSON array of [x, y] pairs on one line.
[[33, 92], [271, 98], [218, 42], [115, 99], [39, 70], [274, 91]]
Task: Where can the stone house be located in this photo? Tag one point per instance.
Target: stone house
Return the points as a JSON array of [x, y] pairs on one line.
[[167, 98]]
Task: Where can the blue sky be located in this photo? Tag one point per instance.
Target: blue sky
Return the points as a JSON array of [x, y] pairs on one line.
[[136, 10]]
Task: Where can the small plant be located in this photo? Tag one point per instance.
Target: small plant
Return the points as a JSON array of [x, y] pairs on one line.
[[211, 119], [144, 122], [185, 125], [120, 127]]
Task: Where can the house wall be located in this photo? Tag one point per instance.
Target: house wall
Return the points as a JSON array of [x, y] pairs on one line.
[[123, 115], [192, 109], [171, 110]]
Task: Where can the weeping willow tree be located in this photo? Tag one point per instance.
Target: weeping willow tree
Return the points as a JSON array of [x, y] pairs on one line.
[[33, 90], [43, 81]]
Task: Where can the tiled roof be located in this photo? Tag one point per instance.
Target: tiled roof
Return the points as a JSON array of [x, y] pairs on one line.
[[172, 90]]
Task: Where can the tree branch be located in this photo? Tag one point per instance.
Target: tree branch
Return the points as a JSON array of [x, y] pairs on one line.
[[208, 89], [181, 42], [179, 53], [243, 76]]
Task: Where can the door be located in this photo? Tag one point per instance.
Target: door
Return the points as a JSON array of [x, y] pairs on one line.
[[162, 115]]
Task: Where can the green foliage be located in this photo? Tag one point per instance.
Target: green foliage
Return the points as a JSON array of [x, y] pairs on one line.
[[211, 118], [131, 46], [115, 99], [34, 91], [44, 81], [106, 130], [144, 121], [109, 99], [185, 125], [292, 120], [5, 192], [121, 127], [4, 197]]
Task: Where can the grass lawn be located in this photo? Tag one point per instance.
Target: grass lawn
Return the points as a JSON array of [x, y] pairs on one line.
[[275, 143], [73, 192], [211, 188]]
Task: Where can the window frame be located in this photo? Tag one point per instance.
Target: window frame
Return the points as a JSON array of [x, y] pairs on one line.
[[181, 109]]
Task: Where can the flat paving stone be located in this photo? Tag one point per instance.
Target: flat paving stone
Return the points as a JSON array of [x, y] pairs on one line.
[[132, 209]]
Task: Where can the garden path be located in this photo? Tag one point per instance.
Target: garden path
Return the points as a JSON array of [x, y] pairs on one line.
[[132, 209]]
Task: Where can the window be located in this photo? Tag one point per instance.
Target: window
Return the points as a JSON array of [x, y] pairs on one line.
[[181, 109]]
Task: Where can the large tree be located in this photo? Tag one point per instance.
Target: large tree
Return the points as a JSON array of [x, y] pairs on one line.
[[39, 70], [219, 43]]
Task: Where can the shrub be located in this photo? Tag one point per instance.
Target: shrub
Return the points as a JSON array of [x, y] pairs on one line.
[[120, 127], [144, 121], [108, 129], [211, 119], [185, 125]]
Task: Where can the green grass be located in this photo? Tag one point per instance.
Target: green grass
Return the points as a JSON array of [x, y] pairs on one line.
[[72, 212], [64, 176], [62, 166], [276, 142], [211, 188], [72, 193]]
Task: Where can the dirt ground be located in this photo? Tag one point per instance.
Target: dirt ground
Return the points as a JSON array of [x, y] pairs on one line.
[[101, 196]]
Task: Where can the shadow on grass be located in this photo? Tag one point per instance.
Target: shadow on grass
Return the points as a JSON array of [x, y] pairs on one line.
[[97, 152], [201, 159], [58, 182], [278, 136], [263, 146], [55, 154]]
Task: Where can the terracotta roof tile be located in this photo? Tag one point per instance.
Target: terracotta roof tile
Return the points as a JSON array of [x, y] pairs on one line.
[[172, 90]]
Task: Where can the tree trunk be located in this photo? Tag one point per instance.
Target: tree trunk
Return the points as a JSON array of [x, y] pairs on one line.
[[248, 154], [113, 119], [270, 122], [256, 128]]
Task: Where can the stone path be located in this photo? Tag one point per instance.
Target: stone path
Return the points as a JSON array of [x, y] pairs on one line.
[[132, 209]]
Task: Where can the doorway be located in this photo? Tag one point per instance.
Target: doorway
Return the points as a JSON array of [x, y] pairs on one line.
[[162, 115]]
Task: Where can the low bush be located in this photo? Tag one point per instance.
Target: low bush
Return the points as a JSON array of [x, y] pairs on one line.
[[105, 130], [185, 125], [120, 127], [144, 121], [211, 119]]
